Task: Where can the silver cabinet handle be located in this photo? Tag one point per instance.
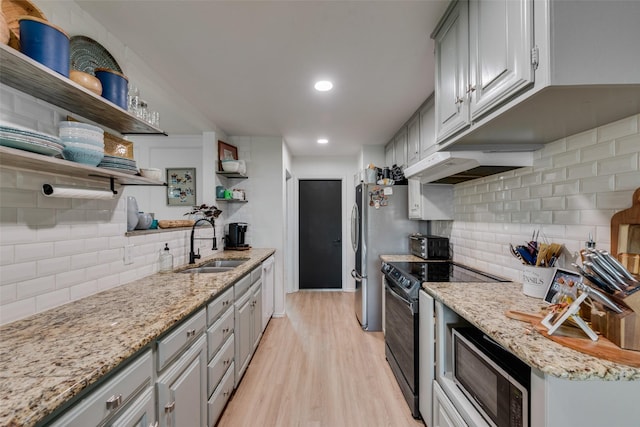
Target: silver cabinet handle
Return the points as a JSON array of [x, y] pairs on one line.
[[154, 424], [191, 333], [114, 401], [471, 89], [458, 100], [170, 407]]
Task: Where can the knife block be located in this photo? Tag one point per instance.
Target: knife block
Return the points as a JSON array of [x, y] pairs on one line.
[[622, 329]]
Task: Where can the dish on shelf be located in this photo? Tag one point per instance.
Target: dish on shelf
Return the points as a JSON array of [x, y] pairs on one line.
[[151, 173], [89, 147], [82, 155], [13, 10], [87, 54], [22, 138], [87, 81]]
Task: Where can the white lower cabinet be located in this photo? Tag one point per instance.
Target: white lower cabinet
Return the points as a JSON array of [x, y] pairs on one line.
[[141, 413], [444, 413], [113, 400], [182, 388], [248, 329], [221, 395]]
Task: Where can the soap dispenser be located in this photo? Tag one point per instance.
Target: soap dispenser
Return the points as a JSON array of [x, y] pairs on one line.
[[166, 260]]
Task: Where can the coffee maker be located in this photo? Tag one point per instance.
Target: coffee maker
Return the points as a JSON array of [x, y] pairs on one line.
[[235, 238]]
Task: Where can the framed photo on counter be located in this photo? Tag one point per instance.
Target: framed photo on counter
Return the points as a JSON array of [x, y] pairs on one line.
[[181, 186]]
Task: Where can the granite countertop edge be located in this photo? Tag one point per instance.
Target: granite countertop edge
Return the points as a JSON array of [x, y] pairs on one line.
[[47, 360]]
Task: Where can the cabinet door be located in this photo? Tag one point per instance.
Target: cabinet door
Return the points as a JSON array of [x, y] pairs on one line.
[[140, 414], [444, 413], [268, 284], [182, 389], [389, 154], [413, 140], [257, 316], [427, 348], [415, 199], [451, 73], [501, 39], [244, 336], [400, 148], [428, 130]]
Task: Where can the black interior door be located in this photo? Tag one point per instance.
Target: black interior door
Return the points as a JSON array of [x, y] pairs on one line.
[[320, 234]]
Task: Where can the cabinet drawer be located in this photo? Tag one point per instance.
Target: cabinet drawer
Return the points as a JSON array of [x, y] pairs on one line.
[[140, 413], [242, 286], [219, 332], [112, 396], [219, 305], [220, 396], [187, 332], [256, 274], [219, 365]]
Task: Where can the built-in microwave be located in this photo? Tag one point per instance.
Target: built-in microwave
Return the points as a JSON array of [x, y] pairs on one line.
[[495, 381]]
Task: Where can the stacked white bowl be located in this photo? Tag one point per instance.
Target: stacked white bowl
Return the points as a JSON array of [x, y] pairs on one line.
[[83, 143]]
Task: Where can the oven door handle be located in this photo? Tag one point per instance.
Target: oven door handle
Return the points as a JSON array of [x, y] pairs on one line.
[[397, 295]]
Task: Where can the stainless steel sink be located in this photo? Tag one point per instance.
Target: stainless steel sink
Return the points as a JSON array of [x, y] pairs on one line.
[[225, 262], [204, 269]]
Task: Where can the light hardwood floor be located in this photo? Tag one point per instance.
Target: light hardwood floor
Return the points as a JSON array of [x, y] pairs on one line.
[[317, 368]]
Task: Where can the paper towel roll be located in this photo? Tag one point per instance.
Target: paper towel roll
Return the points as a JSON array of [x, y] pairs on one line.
[[76, 192]]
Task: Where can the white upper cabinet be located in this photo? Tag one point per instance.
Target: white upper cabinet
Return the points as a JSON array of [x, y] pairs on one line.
[[400, 148], [500, 52], [413, 139], [427, 128], [516, 74], [452, 71], [483, 57]]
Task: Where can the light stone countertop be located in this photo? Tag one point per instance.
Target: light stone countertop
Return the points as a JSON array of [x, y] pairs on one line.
[[484, 305], [49, 358]]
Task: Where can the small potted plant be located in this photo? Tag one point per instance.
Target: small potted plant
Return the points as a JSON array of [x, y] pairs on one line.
[[204, 211]]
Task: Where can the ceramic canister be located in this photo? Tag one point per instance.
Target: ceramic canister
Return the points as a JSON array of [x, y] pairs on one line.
[[132, 213], [45, 43], [115, 86]]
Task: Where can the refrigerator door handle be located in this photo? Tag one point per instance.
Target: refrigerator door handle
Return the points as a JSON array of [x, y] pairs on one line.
[[357, 275], [355, 228]]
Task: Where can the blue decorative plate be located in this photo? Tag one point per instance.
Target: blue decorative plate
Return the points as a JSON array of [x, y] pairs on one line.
[[87, 55]]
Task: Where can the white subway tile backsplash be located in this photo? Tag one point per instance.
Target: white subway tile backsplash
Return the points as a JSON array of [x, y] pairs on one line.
[[602, 150], [566, 217], [35, 287], [581, 201], [544, 217], [49, 266], [36, 217], [598, 184], [544, 190], [17, 310], [553, 203], [17, 198], [511, 183], [624, 163], [83, 290], [84, 260], [530, 205], [614, 200], [569, 158], [52, 299], [33, 251], [596, 217], [534, 178], [566, 188], [582, 140], [554, 175], [621, 128], [628, 144], [627, 181], [69, 278], [554, 148], [583, 170]]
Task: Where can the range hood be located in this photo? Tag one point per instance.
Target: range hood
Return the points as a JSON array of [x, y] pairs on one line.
[[453, 167]]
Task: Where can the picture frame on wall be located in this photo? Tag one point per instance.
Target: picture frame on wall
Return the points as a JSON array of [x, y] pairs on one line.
[[181, 186], [226, 152]]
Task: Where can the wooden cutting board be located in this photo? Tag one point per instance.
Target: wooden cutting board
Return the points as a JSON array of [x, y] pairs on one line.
[[575, 339], [173, 223]]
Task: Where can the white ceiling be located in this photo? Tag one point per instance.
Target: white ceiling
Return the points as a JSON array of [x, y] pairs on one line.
[[249, 66]]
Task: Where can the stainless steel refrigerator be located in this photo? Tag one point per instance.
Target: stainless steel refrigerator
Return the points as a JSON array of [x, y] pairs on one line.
[[380, 225]]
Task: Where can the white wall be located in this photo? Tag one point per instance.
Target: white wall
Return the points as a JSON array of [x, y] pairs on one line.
[[574, 188], [342, 168]]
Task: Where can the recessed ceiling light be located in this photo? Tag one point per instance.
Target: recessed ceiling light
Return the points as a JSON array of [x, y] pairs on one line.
[[323, 86], [323, 141]]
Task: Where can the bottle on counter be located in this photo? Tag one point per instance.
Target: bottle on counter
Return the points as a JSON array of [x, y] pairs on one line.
[[166, 260]]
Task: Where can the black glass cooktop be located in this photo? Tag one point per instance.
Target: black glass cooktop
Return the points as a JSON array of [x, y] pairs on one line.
[[444, 271]]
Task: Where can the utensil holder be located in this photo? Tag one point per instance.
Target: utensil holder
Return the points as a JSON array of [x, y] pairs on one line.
[[621, 329], [535, 280]]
